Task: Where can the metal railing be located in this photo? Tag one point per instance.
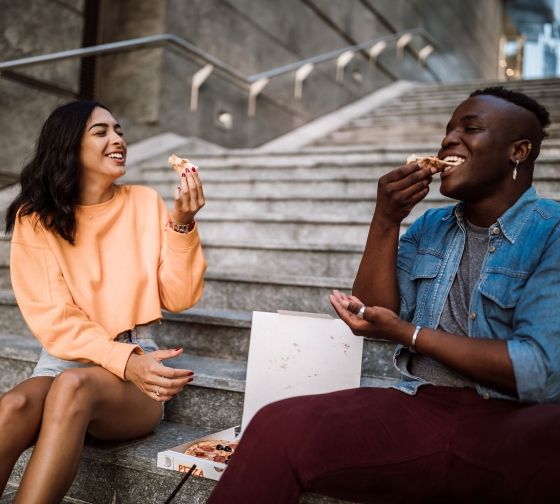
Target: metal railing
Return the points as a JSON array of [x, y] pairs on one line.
[[254, 84]]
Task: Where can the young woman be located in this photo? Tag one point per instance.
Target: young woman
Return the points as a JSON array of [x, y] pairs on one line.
[[92, 264]]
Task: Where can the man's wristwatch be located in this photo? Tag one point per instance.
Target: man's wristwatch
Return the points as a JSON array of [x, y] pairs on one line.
[[181, 228]]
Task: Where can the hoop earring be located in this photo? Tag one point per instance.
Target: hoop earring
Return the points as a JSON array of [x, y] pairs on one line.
[[515, 169]]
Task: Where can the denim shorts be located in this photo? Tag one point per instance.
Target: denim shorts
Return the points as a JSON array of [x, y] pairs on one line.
[[142, 335]]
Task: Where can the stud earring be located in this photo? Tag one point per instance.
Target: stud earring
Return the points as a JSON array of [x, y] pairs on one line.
[[515, 169]]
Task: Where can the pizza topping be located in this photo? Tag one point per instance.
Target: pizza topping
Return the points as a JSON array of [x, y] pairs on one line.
[[216, 451], [224, 448]]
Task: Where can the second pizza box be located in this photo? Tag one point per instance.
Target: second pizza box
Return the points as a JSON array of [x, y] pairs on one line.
[[290, 354]]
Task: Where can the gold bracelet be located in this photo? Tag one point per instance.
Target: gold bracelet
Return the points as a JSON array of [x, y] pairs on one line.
[[181, 228]]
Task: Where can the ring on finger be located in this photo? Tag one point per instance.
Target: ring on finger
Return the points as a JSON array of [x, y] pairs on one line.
[[361, 312], [157, 391]]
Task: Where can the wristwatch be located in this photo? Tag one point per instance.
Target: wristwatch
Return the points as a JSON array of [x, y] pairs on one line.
[[181, 228]]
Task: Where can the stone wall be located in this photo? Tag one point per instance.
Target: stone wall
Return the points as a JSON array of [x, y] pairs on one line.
[[255, 36], [29, 28], [149, 90]]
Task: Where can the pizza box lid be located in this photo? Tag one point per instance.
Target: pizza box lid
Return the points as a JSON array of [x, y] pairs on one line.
[[290, 354]]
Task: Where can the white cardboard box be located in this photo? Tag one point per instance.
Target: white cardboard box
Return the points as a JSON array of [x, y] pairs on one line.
[[290, 354]]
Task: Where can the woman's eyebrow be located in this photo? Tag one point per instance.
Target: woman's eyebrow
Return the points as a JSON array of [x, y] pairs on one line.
[[104, 125]]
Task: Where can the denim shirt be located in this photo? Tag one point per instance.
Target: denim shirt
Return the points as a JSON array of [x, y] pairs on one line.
[[516, 299]]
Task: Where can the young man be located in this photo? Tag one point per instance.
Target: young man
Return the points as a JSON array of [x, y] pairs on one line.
[[475, 416]]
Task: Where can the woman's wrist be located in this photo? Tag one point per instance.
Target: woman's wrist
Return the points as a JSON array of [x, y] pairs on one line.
[[180, 227]]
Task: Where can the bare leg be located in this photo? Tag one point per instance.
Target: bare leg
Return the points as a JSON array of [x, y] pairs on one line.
[[21, 410], [80, 400]]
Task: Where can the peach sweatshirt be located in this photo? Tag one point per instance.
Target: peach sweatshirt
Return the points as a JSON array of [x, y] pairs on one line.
[[125, 266]]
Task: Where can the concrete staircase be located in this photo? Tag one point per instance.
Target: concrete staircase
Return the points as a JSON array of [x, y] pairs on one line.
[[280, 231]]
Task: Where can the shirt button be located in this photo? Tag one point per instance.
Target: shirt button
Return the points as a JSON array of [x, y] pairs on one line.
[[472, 315], [496, 230], [491, 249]]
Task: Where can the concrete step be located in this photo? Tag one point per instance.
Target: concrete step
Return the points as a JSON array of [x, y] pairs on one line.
[[10, 494], [434, 90], [126, 473], [202, 332], [303, 208], [320, 187], [291, 259], [289, 206], [259, 165], [208, 332], [262, 292], [448, 104], [215, 397], [284, 228], [387, 135]]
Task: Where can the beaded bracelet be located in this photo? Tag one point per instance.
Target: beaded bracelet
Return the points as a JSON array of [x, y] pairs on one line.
[[181, 228]]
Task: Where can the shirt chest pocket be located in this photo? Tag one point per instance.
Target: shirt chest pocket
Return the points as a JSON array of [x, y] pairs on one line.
[[423, 274], [500, 295], [502, 289]]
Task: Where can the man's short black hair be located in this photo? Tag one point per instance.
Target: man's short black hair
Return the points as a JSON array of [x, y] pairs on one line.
[[520, 99]]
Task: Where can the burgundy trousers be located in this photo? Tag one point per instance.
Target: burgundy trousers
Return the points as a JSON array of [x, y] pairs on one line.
[[383, 446]]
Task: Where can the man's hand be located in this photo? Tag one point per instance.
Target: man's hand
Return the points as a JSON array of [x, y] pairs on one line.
[[378, 322], [399, 191], [156, 380]]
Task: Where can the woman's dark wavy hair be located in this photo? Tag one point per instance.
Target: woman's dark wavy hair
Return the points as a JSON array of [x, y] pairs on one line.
[[50, 182]]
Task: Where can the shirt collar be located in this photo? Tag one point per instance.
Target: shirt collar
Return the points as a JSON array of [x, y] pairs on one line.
[[511, 221], [514, 218]]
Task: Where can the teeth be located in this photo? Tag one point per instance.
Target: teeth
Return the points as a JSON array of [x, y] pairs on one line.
[[116, 155], [454, 160]]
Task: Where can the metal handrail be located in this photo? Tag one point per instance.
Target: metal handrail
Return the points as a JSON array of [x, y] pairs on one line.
[[324, 57], [127, 45], [254, 83]]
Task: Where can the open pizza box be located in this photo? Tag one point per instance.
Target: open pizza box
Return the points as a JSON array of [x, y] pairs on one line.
[[290, 354]]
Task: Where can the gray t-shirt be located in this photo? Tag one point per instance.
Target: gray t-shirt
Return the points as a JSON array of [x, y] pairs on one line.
[[454, 318]]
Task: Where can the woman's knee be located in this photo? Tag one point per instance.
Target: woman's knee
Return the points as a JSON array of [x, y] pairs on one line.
[[14, 405], [70, 394]]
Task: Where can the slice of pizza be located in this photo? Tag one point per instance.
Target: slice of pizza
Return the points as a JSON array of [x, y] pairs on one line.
[[179, 164], [216, 450], [429, 162]]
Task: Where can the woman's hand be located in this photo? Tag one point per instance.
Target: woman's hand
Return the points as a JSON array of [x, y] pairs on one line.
[[400, 190], [152, 377], [378, 322], [189, 197]]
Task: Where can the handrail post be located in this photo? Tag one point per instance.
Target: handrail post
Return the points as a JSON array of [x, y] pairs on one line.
[[197, 80], [254, 90], [403, 41], [301, 74], [341, 62], [376, 50], [424, 53]]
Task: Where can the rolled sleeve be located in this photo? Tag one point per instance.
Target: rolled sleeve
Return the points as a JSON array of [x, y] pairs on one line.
[[534, 348]]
